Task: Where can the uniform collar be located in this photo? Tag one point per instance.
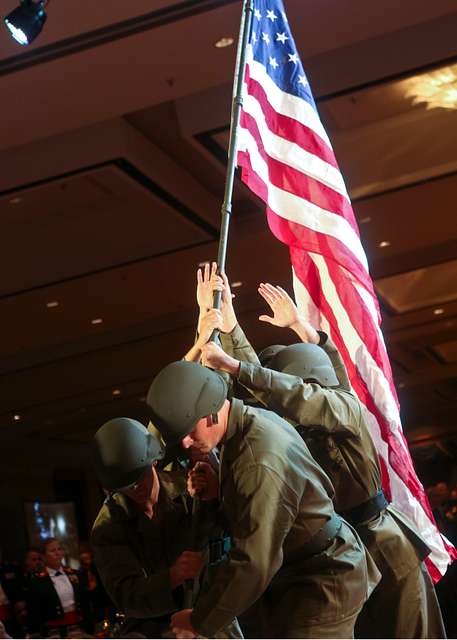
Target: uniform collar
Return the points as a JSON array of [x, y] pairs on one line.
[[235, 419], [52, 572]]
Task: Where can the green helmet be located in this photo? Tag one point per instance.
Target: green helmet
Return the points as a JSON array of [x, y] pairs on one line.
[[124, 449], [181, 394], [267, 354], [307, 361]]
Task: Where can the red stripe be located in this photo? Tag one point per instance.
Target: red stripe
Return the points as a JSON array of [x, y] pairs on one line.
[[294, 234], [399, 459], [287, 127], [299, 184]]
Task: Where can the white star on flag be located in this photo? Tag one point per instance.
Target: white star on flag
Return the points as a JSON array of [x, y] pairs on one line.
[[254, 36], [273, 63], [281, 37], [293, 57], [302, 80], [271, 15], [265, 37], [257, 14]]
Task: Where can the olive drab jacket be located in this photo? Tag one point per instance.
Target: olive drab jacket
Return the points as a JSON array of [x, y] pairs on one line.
[[133, 554], [332, 422], [276, 498]]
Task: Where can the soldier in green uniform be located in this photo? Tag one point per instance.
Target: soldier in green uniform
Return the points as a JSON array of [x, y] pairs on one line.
[[141, 537], [307, 383], [289, 546]]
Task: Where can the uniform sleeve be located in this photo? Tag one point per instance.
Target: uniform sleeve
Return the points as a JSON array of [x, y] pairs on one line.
[[236, 344], [306, 404], [330, 349], [135, 593], [35, 621], [263, 514]]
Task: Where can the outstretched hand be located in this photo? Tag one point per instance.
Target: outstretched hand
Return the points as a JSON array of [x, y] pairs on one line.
[[286, 313], [208, 281]]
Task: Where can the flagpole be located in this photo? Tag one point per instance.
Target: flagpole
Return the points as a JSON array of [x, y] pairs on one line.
[[237, 103]]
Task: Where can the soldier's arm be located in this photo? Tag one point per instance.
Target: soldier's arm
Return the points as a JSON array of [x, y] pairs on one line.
[[307, 404], [337, 361], [135, 593], [259, 521], [237, 345]]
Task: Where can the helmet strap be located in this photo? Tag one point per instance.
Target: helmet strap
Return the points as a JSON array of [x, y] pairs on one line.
[[214, 418]]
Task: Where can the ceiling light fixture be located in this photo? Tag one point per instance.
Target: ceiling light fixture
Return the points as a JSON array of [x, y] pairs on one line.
[[223, 42], [439, 311], [236, 285], [52, 304], [437, 89], [116, 392], [384, 244], [365, 220], [15, 200], [97, 321], [16, 417], [26, 21]]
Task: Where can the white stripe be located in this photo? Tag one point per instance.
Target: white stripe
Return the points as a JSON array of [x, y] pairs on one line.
[[377, 383], [401, 495], [292, 154], [285, 103], [296, 209]]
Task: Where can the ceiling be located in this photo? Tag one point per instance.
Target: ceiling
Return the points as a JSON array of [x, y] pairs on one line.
[[113, 134]]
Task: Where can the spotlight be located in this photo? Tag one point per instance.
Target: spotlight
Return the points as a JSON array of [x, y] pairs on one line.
[[26, 21]]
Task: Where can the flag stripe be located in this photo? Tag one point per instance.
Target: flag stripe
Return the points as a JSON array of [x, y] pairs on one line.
[[292, 208], [286, 176], [287, 159]]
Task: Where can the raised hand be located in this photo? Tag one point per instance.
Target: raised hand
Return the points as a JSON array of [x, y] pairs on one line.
[[286, 313], [203, 481], [209, 321], [207, 283]]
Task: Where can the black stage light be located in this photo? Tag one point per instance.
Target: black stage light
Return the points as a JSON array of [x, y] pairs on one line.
[[26, 21]]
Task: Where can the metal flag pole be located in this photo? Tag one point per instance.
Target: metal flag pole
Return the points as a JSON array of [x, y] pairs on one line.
[[237, 103], [226, 210]]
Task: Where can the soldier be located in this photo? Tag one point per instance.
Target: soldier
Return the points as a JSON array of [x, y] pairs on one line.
[[141, 536], [308, 384], [289, 546]]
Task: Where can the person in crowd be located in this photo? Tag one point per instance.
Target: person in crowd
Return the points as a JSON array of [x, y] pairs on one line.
[[101, 608], [33, 562], [11, 598], [307, 383], [289, 546], [56, 604], [141, 538]]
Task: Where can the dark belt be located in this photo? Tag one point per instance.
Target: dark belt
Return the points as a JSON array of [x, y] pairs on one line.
[[322, 539], [368, 510]]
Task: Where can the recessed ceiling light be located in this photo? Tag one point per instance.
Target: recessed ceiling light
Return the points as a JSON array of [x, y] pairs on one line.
[[237, 284], [401, 385], [97, 321], [365, 220], [223, 42], [116, 392], [15, 200], [439, 311], [16, 417], [384, 244], [52, 304]]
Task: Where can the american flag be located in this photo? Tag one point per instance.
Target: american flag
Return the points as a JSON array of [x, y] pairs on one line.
[[287, 160]]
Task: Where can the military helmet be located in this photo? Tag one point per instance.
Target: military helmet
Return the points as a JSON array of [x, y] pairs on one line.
[[123, 450], [307, 361], [267, 354], [181, 394]]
